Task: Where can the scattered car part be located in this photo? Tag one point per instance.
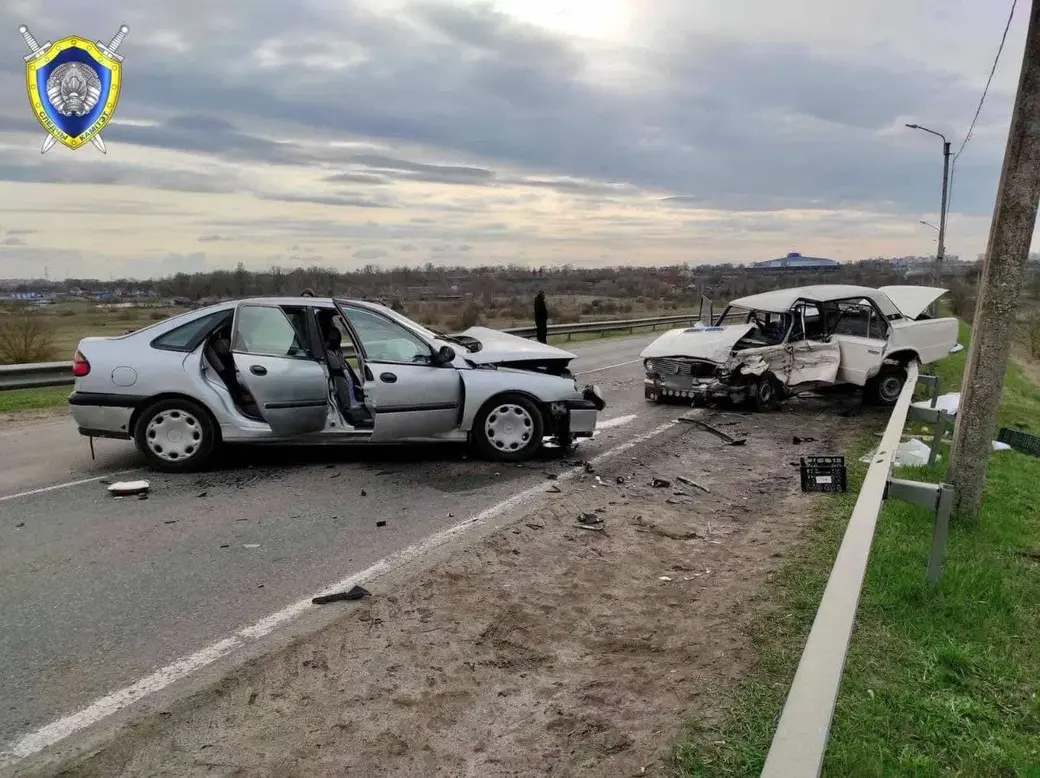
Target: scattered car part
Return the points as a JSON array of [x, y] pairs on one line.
[[356, 593], [128, 488]]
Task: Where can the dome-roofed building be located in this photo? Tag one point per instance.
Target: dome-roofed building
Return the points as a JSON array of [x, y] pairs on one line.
[[797, 262]]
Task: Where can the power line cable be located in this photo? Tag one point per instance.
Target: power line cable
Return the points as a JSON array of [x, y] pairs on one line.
[[978, 110]]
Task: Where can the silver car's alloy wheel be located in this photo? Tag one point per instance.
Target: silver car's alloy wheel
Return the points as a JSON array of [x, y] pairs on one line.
[[174, 435], [509, 427]]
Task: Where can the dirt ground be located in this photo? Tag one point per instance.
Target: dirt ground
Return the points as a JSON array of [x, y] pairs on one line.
[[546, 649]]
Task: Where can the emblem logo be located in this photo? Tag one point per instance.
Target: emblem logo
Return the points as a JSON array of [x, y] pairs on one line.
[[73, 87]]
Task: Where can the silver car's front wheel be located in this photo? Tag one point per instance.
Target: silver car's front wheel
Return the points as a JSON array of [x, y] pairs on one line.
[[175, 435], [508, 428]]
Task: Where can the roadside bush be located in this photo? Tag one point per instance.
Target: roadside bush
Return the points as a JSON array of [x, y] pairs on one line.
[[469, 317], [962, 301], [1032, 329], [26, 335]]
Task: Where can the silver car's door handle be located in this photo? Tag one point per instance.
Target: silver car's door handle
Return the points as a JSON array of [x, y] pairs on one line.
[[258, 370]]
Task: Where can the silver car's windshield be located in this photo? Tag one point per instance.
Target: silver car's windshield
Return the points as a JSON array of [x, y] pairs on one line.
[[471, 344]]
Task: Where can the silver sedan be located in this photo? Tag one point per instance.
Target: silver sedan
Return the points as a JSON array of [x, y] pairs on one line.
[[307, 370]]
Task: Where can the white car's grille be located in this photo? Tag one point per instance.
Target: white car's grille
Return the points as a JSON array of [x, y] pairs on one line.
[[682, 367]]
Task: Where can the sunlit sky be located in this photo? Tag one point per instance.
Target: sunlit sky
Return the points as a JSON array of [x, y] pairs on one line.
[[541, 132]]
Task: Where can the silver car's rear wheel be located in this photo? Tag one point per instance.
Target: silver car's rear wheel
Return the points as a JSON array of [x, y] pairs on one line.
[[509, 428], [175, 435]]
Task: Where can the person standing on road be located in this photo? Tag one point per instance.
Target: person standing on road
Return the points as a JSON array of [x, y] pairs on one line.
[[541, 318]]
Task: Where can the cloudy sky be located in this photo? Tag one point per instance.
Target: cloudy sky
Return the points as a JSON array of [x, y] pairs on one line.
[[595, 132]]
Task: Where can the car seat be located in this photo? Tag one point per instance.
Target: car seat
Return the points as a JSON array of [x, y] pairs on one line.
[[345, 384]]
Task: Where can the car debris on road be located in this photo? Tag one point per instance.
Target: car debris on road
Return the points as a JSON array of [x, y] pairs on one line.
[[355, 593], [128, 488]]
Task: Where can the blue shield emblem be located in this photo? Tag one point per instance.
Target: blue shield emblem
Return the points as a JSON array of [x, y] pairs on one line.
[[74, 87]]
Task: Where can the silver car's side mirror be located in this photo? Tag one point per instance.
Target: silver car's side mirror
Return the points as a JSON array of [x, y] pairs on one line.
[[445, 355]]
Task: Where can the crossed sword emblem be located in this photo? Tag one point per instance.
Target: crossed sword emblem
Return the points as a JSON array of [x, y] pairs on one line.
[[37, 51]]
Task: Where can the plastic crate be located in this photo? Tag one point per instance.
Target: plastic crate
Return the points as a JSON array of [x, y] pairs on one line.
[[824, 474], [1020, 441]]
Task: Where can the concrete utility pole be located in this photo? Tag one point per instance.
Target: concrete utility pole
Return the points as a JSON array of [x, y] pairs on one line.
[[1010, 236]]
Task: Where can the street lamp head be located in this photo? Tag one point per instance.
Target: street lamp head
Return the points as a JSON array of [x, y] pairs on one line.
[[914, 126]]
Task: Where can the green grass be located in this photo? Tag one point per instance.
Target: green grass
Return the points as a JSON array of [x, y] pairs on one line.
[[34, 399], [939, 681]]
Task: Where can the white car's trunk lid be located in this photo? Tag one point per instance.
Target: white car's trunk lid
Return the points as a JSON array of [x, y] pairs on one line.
[[912, 301]]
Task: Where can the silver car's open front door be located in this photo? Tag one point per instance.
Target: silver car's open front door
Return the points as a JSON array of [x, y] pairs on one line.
[[275, 364]]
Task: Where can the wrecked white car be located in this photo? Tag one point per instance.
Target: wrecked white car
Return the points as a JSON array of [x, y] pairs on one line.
[[768, 346]]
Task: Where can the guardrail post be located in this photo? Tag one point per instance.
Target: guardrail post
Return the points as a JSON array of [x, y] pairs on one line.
[[932, 382], [940, 532]]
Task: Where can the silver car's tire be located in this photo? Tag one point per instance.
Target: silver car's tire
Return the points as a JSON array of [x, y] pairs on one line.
[[509, 428], [176, 435]]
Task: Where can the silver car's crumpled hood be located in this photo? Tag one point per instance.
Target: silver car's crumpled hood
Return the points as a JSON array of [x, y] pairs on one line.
[[499, 348], [710, 343]]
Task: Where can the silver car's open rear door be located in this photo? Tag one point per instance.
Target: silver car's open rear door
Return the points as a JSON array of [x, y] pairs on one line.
[[274, 364]]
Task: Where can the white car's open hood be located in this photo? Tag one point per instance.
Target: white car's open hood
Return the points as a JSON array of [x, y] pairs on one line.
[[500, 348], [912, 301], [711, 343]]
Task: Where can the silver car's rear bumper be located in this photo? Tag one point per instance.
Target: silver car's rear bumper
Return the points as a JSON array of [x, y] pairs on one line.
[[100, 415]]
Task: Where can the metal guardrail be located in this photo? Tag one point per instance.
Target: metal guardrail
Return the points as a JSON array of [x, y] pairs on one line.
[[43, 374], [800, 740]]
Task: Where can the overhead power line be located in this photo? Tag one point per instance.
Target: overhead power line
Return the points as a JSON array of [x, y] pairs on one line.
[[982, 100]]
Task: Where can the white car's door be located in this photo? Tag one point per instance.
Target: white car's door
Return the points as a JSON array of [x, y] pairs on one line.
[[411, 396], [861, 334]]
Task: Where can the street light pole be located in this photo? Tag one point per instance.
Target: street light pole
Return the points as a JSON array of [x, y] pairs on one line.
[[940, 253]]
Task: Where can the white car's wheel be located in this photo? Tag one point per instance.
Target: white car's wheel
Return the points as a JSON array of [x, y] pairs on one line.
[[887, 386], [176, 435], [508, 428]]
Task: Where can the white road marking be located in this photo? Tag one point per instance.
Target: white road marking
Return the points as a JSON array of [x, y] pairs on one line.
[[617, 421], [608, 367], [58, 730], [67, 484]]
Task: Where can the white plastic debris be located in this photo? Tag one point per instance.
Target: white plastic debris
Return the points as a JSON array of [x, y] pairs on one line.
[[909, 453], [956, 348], [250, 545], [998, 446], [944, 402], [124, 488], [663, 578]]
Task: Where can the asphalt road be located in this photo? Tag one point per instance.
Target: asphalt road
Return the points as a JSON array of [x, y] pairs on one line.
[[98, 592]]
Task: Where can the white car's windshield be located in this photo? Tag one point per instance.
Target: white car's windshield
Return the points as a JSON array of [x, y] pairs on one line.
[[770, 326]]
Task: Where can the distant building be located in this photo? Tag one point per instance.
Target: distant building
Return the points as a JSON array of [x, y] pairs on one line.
[[796, 262]]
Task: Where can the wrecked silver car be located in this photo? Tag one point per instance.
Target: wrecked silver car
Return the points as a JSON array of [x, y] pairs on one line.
[[768, 346]]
